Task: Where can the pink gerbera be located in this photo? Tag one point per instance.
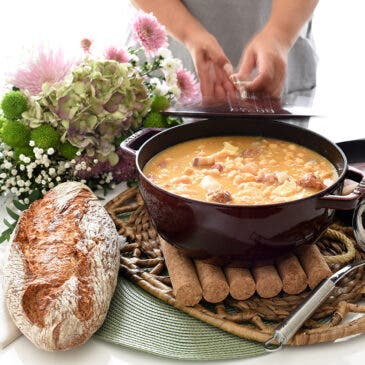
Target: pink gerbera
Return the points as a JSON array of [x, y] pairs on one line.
[[119, 55], [190, 90], [150, 33], [49, 67]]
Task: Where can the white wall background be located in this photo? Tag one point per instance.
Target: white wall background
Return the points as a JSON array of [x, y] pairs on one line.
[[339, 30]]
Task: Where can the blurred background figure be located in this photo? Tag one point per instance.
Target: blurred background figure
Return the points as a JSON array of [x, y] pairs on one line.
[[267, 43]]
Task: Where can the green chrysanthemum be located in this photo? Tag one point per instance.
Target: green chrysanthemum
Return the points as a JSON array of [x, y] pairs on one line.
[[160, 103], [45, 137], [14, 133], [2, 121], [26, 151], [14, 103], [154, 120], [67, 150]]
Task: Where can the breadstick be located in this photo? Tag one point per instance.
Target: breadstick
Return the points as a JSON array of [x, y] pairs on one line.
[[292, 275], [241, 283], [313, 264], [213, 282], [268, 282], [185, 283]]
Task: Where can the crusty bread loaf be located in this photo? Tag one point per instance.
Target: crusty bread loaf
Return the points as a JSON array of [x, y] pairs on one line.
[[62, 268]]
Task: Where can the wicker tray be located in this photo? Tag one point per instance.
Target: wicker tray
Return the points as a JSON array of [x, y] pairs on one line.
[[254, 319]]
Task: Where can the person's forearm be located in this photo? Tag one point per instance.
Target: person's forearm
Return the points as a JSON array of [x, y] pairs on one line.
[[174, 16], [288, 17]]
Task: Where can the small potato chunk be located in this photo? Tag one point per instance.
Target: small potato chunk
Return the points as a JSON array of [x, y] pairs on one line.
[[188, 171], [282, 176], [182, 179], [219, 196], [209, 184], [288, 188], [250, 167], [310, 180], [243, 177]]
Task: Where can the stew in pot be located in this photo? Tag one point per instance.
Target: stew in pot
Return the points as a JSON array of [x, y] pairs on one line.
[[240, 170]]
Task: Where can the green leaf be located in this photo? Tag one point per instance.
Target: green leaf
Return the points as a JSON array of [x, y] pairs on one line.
[[35, 195], [12, 214], [132, 183], [20, 205], [5, 235], [8, 224]]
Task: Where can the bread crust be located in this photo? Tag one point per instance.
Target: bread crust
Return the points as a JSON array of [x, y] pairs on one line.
[[62, 268]]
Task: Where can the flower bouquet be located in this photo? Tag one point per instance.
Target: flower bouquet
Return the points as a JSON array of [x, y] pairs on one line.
[[64, 120]]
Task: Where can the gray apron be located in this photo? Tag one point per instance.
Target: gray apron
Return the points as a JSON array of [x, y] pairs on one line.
[[235, 22]]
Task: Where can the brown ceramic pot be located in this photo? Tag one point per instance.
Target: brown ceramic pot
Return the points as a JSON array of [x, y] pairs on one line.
[[241, 234]]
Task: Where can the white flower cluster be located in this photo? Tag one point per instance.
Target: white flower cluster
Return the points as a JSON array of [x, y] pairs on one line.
[[170, 66], [27, 175]]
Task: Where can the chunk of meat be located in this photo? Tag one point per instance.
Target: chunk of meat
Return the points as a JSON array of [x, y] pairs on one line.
[[218, 166], [203, 161], [310, 180], [267, 178], [252, 152], [219, 196]]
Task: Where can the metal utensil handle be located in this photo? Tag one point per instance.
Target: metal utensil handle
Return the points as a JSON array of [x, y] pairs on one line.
[[290, 326]]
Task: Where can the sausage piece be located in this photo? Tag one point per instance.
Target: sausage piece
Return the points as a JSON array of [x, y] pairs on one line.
[[203, 161]]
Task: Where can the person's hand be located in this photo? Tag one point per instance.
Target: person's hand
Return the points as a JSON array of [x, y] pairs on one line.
[[266, 55], [212, 66]]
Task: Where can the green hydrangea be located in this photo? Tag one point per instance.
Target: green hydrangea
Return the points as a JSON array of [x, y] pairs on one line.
[[67, 150], [99, 101], [160, 103], [26, 151], [14, 133], [154, 120], [14, 103], [45, 136]]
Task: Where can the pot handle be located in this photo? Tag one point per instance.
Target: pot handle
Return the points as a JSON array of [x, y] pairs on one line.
[[132, 144], [358, 224], [346, 202]]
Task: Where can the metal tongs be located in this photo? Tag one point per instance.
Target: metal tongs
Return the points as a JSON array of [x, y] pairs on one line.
[[284, 333]]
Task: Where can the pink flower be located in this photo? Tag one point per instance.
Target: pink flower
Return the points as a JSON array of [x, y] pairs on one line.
[[150, 33], [86, 44], [190, 90], [119, 55], [49, 67]]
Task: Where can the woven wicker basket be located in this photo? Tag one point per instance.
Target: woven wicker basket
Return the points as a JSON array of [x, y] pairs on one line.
[[256, 318]]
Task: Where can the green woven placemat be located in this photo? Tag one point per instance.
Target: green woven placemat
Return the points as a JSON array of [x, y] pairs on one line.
[[140, 321]]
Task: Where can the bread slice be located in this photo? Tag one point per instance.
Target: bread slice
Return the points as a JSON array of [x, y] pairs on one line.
[[62, 268]]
